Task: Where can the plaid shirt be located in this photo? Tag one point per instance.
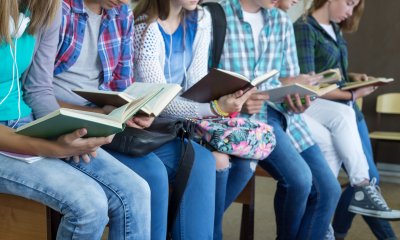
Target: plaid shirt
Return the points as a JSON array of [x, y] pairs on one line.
[[317, 50], [115, 45], [277, 51]]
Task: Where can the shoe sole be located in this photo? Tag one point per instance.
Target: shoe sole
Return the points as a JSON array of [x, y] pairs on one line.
[[373, 213]]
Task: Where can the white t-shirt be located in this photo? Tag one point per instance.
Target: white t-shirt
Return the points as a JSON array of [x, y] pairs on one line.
[[256, 22], [329, 29]]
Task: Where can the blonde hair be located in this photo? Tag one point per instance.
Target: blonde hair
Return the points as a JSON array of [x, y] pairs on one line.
[[42, 13], [350, 24]]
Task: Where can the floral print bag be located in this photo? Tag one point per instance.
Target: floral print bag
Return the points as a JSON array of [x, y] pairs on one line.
[[240, 137]]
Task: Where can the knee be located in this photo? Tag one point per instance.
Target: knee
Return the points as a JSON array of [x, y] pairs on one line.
[[222, 160], [157, 178], [87, 206], [299, 182], [204, 160], [343, 116], [331, 190]]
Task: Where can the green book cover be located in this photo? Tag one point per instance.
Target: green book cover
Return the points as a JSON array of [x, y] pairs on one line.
[[63, 120]]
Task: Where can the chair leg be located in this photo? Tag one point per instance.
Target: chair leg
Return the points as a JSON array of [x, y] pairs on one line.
[[247, 225], [375, 146], [53, 221]]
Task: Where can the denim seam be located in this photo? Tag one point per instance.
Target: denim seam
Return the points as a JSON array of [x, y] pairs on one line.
[[120, 197]]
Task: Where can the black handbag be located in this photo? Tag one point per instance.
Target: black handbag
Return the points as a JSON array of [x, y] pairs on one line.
[[139, 142]]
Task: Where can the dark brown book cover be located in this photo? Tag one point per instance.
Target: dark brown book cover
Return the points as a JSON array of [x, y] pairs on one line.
[[218, 83]]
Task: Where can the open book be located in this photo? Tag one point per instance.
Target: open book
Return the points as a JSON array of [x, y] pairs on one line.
[[22, 157], [137, 90], [277, 95], [370, 82], [330, 76], [218, 83], [66, 120]]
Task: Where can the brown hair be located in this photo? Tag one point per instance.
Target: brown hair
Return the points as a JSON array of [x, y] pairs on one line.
[[42, 13], [153, 9], [350, 24]]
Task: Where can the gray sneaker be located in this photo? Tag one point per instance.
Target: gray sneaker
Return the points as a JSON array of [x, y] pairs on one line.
[[368, 201]]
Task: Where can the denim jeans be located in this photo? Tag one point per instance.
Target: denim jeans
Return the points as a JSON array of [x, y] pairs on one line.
[[229, 184], [196, 210], [343, 218], [307, 191], [104, 190]]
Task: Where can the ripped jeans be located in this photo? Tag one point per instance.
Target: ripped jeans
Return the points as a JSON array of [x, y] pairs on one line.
[[229, 184]]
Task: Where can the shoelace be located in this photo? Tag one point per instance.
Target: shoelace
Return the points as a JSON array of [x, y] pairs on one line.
[[375, 193]]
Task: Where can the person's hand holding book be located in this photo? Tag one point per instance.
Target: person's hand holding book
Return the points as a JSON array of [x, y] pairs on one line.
[[233, 103], [140, 121], [362, 92], [358, 77], [304, 79], [254, 103], [74, 146], [297, 104]]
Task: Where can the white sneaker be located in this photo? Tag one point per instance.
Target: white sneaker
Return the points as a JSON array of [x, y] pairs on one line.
[[330, 234]]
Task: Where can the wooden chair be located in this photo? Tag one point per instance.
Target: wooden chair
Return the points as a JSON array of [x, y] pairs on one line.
[[247, 198], [386, 104]]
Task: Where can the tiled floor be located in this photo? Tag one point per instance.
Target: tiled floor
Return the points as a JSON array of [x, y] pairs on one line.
[[264, 215], [265, 221]]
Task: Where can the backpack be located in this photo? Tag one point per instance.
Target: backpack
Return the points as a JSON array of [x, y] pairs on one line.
[[219, 24]]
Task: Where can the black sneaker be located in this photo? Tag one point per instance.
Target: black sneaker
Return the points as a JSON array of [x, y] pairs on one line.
[[368, 201]]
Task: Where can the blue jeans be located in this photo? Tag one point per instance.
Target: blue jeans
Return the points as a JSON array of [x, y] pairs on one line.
[[102, 191], [196, 210], [343, 218], [307, 191], [229, 184]]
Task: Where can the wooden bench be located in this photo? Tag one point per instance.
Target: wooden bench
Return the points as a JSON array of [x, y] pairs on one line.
[[247, 198], [21, 218], [26, 219]]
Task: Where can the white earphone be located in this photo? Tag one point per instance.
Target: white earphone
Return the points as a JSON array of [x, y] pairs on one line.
[[23, 22]]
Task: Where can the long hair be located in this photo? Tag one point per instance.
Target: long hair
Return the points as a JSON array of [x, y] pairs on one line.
[[350, 24], [42, 13], [153, 9]]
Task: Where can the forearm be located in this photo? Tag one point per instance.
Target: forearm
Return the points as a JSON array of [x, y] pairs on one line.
[[338, 95], [13, 142]]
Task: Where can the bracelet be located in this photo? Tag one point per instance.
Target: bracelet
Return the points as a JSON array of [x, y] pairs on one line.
[[353, 97], [218, 109]]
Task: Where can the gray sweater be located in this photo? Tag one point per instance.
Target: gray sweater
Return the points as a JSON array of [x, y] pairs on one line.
[[38, 78]]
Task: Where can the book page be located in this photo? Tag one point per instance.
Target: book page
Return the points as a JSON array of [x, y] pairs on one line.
[[277, 95], [158, 103], [370, 82], [330, 76], [238, 75], [22, 157], [260, 79], [123, 113]]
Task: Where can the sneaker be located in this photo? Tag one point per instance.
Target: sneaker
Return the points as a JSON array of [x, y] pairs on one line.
[[368, 201], [330, 234]]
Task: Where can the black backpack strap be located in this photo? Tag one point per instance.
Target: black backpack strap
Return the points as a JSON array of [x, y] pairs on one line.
[[181, 178], [219, 31]]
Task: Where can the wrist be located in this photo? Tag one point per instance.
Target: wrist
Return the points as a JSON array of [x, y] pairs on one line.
[[353, 95], [217, 109]]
